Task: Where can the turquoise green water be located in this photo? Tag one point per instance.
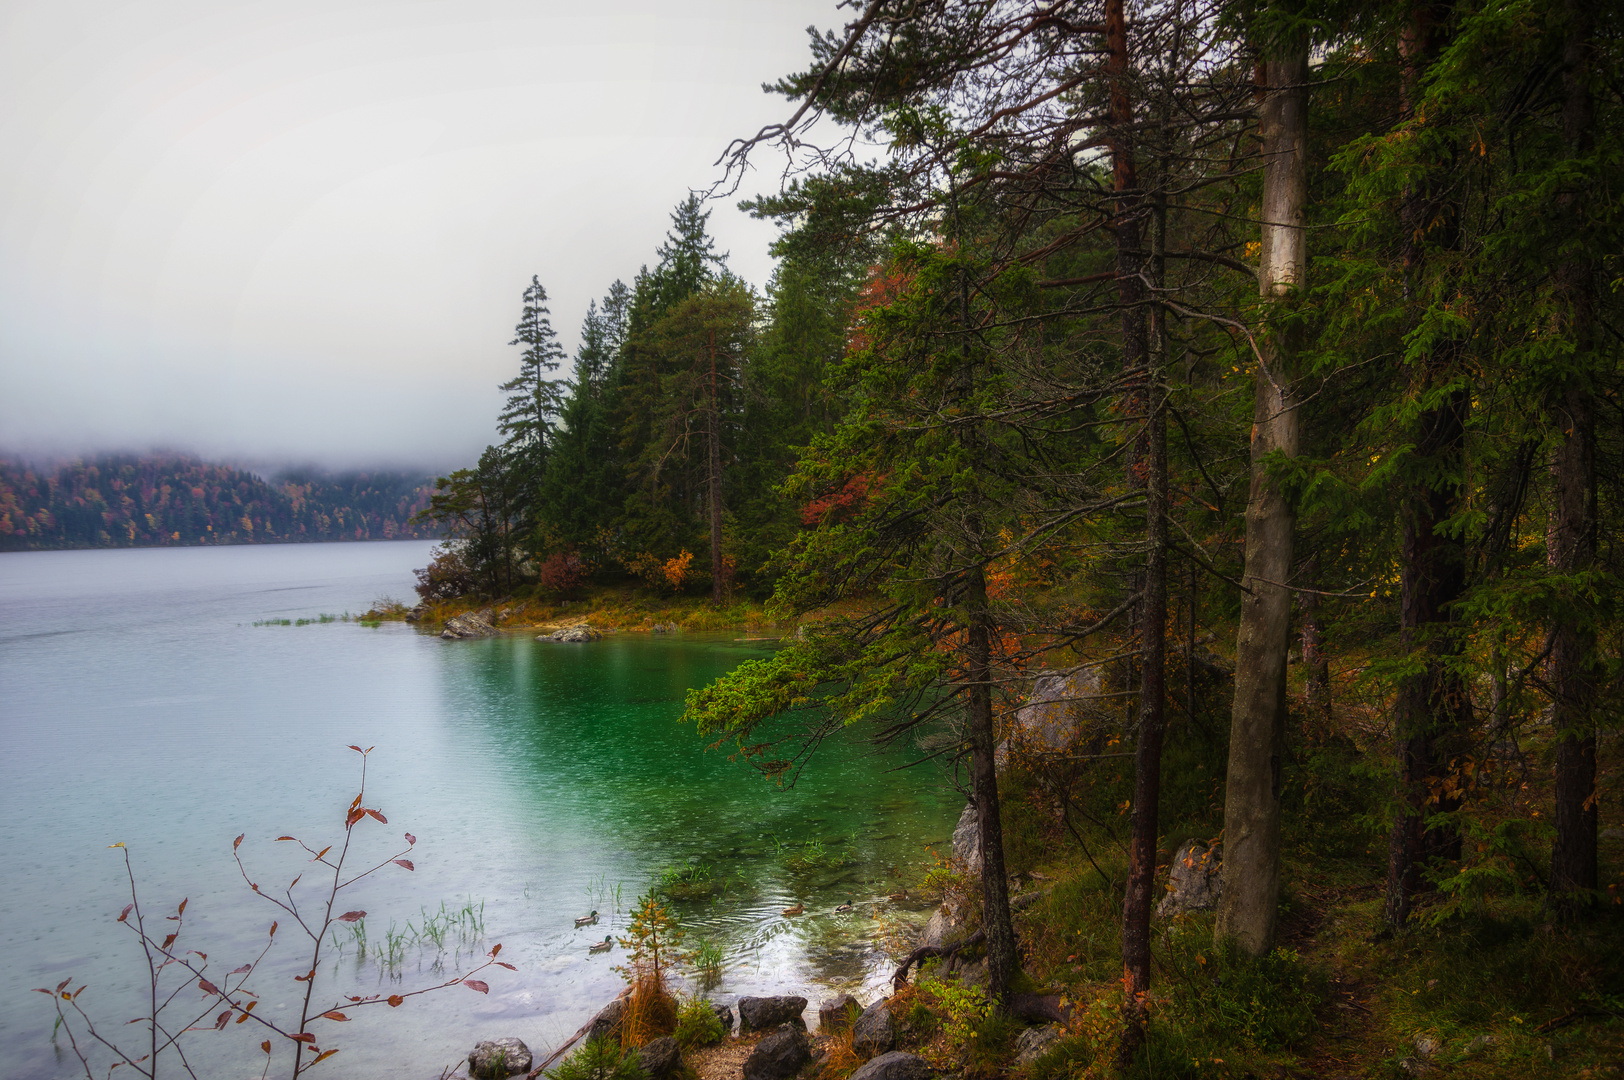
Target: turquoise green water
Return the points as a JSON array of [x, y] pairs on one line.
[[540, 780]]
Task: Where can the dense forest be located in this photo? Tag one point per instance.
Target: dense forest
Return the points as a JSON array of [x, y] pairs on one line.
[[1299, 324], [128, 500]]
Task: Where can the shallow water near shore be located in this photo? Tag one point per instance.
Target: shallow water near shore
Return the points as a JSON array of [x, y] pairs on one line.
[[141, 705]]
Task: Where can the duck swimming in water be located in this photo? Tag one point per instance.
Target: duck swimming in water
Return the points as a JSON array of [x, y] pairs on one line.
[[587, 920], [605, 945], [898, 896], [796, 910], [844, 908]]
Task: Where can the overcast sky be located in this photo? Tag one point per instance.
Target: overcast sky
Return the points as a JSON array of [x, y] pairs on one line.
[[300, 230]]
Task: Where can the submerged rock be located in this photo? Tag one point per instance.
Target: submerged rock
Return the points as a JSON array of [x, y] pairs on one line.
[[498, 1059], [1193, 883], [573, 634], [780, 1055], [761, 1013], [466, 626]]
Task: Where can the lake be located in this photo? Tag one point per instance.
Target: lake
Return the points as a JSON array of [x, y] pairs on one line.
[[142, 705]]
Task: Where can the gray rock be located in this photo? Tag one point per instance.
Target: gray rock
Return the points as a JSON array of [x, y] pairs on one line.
[[414, 614], [875, 1032], [661, 1059], [835, 1014], [1058, 711], [573, 634], [973, 974], [1193, 883], [725, 1015], [967, 840], [1033, 1043], [780, 1055], [894, 1066], [665, 628], [761, 1013], [606, 1025], [498, 1059], [946, 924], [466, 626]]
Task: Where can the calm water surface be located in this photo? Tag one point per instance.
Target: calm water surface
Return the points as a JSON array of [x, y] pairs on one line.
[[141, 705]]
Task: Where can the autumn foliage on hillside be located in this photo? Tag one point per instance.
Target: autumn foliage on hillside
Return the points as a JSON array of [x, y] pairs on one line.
[[174, 500]]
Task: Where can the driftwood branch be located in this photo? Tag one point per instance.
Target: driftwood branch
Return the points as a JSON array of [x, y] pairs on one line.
[[927, 952]]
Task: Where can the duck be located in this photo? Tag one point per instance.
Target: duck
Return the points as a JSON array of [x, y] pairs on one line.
[[587, 920], [796, 910], [605, 945], [898, 896], [844, 908]]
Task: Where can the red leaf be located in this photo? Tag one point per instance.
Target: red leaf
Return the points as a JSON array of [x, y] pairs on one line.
[[125, 914], [410, 839], [407, 863], [294, 882], [279, 839], [182, 909], [303, 1036], [273, 929], [324, 1055], [379, 816], [496, 949], [334, 1014], [353, 816], [239, 971], [504, 963], [352, 916], [266, 1046], [396, 1001], [237, 843], [357, 749], [221, 1020], [61, 984], [170, 940], [475, 984], [320, 853], [306, 977], [207, 987]]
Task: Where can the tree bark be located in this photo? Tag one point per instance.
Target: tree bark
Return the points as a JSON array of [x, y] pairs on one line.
[[1573, 672], [1002, 961], [1251, 864]]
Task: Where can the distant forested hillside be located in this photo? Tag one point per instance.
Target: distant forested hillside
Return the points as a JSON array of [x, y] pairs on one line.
[[128, 500]]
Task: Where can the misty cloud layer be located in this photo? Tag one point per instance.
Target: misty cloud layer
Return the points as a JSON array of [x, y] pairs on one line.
[[300, 230]]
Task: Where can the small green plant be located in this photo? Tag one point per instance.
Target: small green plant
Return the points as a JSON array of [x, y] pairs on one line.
[[706, 959], [599, 1059], [962, 1009], [691, 881], [697, 1023]]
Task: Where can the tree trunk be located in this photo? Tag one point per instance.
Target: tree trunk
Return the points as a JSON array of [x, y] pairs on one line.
[[714, 459], [1573, 638], [1002, 960], [1317, 686], [1251, 863]]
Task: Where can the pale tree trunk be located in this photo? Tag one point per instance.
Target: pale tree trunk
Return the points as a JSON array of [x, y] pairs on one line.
[[1251, 859], [1573, 530]]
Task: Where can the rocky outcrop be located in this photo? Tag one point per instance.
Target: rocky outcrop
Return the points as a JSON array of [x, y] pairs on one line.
[[967, 840], [835, 1014], [875, 1032], [1058, 712], [780, 1055], [606, 1025], [1193, 883], [664, 628], [761, 1013], [661, 1059], [498, 1059], [571, 634], [894, 1066], [472, 625], [1033, 1043], [945, 926]]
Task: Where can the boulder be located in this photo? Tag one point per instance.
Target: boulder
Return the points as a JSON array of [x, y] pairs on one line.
[[761, 1013], [573, 634], [1057, 712], [967, 840], [725, 1015], [414, 613], [466, 626], [945, 925], [835, 1014], [499, 1059], [661, 1059], [1192, 881], [875, 1032], [1033, 1043], [606, 1025], [894, 1066], [779, 1056], [665, 628]]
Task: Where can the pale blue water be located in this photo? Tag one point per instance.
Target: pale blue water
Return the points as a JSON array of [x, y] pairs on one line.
[[138, 704]]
